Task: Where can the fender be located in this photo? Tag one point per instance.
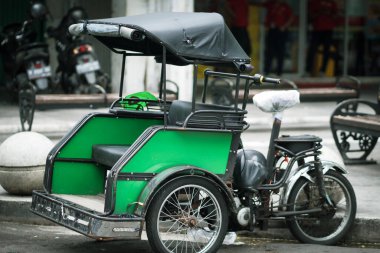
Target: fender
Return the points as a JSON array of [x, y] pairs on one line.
[[168, 175], [304, 172]]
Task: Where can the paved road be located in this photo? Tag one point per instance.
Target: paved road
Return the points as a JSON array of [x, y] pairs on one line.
[[16, 238]]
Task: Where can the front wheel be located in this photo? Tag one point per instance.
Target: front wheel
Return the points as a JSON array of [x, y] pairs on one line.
[[331, 224], [187, 215]]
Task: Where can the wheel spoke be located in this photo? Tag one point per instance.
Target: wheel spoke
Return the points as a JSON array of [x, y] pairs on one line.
[[208, 215]]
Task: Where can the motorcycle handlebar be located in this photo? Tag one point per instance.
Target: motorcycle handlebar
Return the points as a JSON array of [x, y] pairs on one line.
[[21, 33]]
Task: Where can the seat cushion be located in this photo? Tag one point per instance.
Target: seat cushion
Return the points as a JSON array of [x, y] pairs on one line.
[[298, 143], [108, 155]]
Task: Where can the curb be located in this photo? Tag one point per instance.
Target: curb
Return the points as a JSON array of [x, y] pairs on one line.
[[256, 124], [16, 209], [364, 230]]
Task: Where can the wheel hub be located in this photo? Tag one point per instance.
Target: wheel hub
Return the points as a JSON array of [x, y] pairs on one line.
[[192, 222], [189, 221], [328, 211]]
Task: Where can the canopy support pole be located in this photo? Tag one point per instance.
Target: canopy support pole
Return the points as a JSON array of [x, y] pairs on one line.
[[237, 90], [163, 81], [122, 75], [195, 74], [246, 93], [204, 93]]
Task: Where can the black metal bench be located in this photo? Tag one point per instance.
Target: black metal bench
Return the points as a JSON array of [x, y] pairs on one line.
[[48, 101], [223, 92], [355, 125], [101, 99]]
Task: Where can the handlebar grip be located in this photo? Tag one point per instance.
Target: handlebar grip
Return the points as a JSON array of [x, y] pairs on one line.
[[271, 80], [259, 79]]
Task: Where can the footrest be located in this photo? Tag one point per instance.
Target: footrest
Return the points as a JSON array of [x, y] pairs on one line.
[[108, 155], [84, 221]]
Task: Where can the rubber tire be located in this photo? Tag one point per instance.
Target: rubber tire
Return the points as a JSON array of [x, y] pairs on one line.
[[154, 208], [299, 233]]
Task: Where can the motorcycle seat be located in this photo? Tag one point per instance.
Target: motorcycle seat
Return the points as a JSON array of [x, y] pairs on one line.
[[108, 155], [298, 143], [32, 46], [36, 55]]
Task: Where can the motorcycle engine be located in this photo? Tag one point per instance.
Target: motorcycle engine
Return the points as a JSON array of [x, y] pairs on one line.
[[243, 216]]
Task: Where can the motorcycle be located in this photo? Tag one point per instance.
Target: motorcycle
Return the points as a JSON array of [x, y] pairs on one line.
[[178, 169], [79, 70], [26, 63]]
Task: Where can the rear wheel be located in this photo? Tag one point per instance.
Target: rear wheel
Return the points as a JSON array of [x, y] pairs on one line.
[[187, 215], [331, 224]]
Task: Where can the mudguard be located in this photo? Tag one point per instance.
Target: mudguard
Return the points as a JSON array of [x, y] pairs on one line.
[[304, 172], [168, 175]]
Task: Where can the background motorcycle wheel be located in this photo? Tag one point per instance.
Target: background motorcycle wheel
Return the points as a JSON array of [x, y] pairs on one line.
[[188, 214], [27, 105], [326, 227], [221, 91], [104, 81]]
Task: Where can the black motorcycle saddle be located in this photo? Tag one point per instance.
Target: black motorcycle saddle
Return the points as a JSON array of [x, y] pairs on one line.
[[298, 143]]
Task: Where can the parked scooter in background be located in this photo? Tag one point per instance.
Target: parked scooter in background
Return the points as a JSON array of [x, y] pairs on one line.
[[79, 70], [26, 62]]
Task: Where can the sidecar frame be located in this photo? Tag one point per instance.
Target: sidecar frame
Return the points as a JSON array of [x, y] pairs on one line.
[[207, 135]]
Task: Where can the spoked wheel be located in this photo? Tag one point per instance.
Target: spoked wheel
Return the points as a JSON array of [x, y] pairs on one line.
[[331, 224], [187, 215], [26, 108], [104, 81]]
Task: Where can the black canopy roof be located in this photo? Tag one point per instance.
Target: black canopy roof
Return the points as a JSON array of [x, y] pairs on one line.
[[188, 37]]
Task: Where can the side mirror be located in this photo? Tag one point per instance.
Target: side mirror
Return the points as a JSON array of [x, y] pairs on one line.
[[38, 10]]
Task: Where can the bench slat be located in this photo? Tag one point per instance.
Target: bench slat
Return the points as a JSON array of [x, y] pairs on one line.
[[313, 93], [361, 122], [42, 99], [79, 99]]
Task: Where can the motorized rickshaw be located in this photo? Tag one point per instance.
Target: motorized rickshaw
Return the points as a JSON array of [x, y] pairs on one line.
[[178, 169]]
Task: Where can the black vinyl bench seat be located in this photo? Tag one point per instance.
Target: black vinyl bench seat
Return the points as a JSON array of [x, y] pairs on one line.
[[108, 155]]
